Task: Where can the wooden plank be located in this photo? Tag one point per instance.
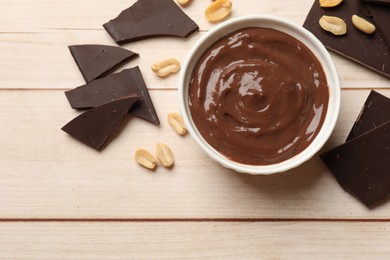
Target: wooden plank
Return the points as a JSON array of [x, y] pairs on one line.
[[42, 60], [47, 174], [35, 35], [205, 240], [40, 15]]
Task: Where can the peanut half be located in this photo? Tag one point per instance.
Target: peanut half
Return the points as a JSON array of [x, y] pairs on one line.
[[164, 155], [330, 3], [333, 24], [177, 123], [362, 24], [183, 2], [166, 67], [145, 158], [218, 10]]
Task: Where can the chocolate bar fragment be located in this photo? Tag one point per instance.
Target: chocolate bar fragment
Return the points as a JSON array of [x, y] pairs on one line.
[[95, 60], [150, 18], [384, 2], [368, 50], [375, 112], [381, 16], [95, 126], [362, 165], [115, 86]]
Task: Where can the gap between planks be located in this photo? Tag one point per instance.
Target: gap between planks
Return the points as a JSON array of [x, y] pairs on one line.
[[156, 89], [233, 220], [66, 89], [44, 31]]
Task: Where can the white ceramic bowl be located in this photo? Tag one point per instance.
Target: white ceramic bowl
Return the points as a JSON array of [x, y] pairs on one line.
[[293, 30]]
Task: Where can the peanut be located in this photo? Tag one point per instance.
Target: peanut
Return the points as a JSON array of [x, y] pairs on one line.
[[362, 24], [218, 10], [183, 2], [330, 3], [166, 67], [145, 158], [164, 155], [333, 24], [177, 123]]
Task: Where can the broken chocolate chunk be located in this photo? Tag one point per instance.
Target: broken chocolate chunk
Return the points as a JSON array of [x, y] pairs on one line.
[[375, 112], [381, 16], [95, 126], [368, 50], [362, 165], [115, 86], [95, 60], [384, 2], [146, 19]]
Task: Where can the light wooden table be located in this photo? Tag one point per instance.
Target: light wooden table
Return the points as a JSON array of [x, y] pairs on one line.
[[62, 200]]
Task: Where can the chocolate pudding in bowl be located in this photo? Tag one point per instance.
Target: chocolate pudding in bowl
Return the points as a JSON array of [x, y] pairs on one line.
[[259, 94]]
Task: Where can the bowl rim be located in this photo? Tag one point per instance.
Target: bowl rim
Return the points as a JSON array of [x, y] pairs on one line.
[[292, 29]]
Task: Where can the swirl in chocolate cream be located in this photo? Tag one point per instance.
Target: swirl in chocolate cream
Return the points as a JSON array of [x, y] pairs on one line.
[[258, 96]]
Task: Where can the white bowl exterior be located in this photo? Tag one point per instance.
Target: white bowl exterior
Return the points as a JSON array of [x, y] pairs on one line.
[[296, 31]]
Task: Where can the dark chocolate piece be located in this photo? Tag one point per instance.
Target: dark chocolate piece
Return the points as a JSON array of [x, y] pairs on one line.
[[368, 50], [118, 85], [362, 165], [385, 2], [95, 126], [381, 16], [95, 60], [150, 18], [375, 112]]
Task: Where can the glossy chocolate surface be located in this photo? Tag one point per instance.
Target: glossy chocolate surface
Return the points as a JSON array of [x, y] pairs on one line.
[[258, 96]]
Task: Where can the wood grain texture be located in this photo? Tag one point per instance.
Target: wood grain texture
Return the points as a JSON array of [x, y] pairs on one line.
[[89, 205], [194, 240], [46, 62], [34, 42], [40, 15], [47, 174]]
